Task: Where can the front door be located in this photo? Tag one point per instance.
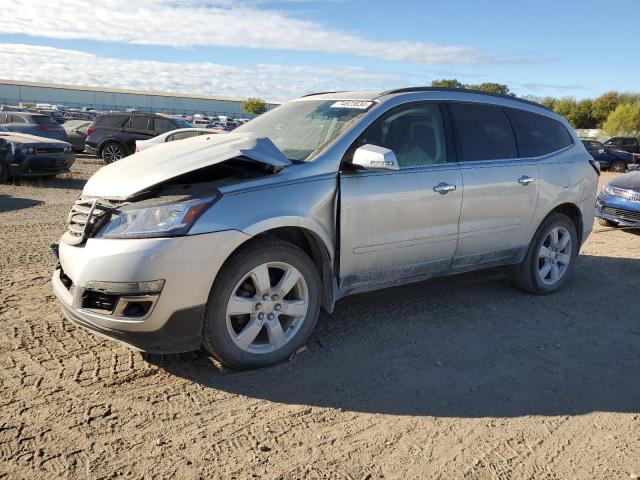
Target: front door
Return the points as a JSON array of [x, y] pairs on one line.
[[397, 226]]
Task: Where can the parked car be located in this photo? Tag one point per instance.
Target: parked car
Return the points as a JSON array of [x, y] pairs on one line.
[[234, 242], [179, 134], [628, 144], [26, 155], [33, 123], [77, 133], [609, 158], [113, 136], [618, 204]]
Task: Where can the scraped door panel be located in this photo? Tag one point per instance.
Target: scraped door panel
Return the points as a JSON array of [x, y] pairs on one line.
[[394, 226]]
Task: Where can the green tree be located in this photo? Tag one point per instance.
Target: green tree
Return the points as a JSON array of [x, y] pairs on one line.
[[566, 107], [447, 83], [254, 105], [624, 120], [604, 105], [582, 115], [548, 102], [491, 87]]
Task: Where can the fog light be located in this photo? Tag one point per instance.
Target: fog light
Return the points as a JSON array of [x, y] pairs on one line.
[[135, 307], [153, 286]]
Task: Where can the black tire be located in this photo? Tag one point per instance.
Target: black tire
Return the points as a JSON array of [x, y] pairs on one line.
[[112, 151], [525, 274], [618, 166], [216, 338], [606, 223], [4, 169]]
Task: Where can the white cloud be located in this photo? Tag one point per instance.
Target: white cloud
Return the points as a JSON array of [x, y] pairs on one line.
[[272, 82], [220, 23]]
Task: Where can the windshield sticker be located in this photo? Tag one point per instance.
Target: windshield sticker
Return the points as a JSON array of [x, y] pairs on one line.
[[355, 104]]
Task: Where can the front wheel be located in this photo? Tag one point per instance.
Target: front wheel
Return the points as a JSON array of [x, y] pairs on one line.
[[263, 305], [112, 152], [618, 166], [550, 256]]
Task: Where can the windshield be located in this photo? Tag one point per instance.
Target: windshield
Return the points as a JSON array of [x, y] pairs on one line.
[[302, 129]]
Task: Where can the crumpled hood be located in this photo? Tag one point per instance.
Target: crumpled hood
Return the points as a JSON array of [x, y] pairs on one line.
[[145, 169], [627, 181], [26, 139]]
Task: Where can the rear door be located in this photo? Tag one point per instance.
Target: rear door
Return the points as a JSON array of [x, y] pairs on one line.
[[138, 128], [394, 226], [500, 189]]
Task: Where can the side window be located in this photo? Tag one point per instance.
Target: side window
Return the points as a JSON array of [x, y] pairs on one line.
[[139, 123], [16, 119], [112, 121], [483, 132], [182, 135], [83, 128], [415, 133], [3, 118], [538, 134], [628, 142], [163, 125]]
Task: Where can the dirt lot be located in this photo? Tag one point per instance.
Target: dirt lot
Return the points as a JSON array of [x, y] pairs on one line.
[[463, 377]]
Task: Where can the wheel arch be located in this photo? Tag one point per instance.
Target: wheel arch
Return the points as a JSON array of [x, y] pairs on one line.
[[109, 140], [313, 245], [574, 213]]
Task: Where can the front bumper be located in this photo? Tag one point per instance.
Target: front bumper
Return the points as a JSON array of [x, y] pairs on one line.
[[188, 265], [625, 213], [41, 164]]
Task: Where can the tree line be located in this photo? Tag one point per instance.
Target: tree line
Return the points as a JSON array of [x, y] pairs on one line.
[[614, 112]]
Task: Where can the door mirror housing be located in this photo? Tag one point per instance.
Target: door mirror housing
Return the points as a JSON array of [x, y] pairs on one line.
[[373, 157]]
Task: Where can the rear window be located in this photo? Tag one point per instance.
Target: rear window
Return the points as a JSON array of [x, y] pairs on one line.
[[182, 135], [181, 123], [139, 123], [484, 132], [113, 121], [163, 125], [538, 134], [45, 121]]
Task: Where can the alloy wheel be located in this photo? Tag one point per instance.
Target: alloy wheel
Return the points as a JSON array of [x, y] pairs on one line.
[[554, 256], [112, 153], [267, 307]]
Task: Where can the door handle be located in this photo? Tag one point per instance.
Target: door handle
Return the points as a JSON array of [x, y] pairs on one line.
[[443, 188], [525, 180]]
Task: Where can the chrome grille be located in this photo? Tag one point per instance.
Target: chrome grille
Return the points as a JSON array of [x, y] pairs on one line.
[[85, 216], [626, 194], [624, 214]]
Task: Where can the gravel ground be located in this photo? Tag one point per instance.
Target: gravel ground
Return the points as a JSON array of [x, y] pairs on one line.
[[464, 377]]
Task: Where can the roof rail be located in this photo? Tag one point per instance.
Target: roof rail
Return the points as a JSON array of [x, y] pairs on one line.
[[320, 93], [462, 90]]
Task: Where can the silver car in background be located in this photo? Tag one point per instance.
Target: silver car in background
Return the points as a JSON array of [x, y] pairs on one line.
[[234, 242]]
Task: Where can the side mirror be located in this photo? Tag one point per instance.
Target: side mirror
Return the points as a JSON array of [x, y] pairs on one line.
[[601, 151], [373, 157]]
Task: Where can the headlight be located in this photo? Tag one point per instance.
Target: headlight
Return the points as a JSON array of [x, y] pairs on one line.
[[608, 190], [28, 150], [156, 221]]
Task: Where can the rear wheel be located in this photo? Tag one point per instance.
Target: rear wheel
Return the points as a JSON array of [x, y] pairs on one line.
[[263, 305], [4, 170], [618, 166], [550, 256], [112, 152]]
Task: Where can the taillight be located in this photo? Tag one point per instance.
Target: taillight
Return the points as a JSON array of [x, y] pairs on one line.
[[90, 130]]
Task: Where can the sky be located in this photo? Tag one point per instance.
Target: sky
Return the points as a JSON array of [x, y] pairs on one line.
[[281, 49]]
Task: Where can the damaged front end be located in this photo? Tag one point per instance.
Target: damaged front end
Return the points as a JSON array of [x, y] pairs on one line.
[[163, 191]]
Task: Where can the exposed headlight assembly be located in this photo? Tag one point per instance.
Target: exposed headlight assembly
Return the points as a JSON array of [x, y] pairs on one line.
[[164, 220]]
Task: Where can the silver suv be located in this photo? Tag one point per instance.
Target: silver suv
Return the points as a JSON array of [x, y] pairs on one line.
[[233, 242]]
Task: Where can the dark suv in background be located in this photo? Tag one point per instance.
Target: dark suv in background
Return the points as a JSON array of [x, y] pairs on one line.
[[628, 144], [113, 135]]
